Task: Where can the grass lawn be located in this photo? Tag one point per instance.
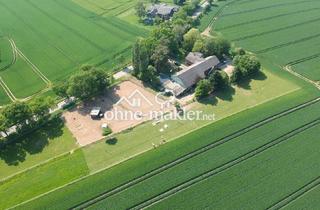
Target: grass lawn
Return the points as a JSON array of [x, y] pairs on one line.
[[42, 179], [46, 143], [264, 88]]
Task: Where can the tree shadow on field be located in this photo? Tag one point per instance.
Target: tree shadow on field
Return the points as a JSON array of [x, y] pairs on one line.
[[112, 141], [210, 100], [245, 83], [16, 151], [226, 94]]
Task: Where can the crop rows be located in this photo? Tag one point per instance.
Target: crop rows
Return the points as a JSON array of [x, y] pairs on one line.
[[277, 29], [192, 155], [224, 167], [267, 18], [257, 182], [62, 46], [295, 195], [287, 44], [266, 7]]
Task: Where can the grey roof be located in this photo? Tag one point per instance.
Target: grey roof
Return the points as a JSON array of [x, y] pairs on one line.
[[194, 57], [176, 88], [192, 74], [162, 9]]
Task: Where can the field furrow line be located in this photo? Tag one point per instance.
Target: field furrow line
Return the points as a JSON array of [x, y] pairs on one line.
[[287, 44], [276, 30], [14, 55], [218, 14], [190, 155], [295, 195], [301, 60], [97, 23], [289, 66], [66, 26], [267, 7], [268, 18], [7, 90], [34, 67], [224, 167], [41, 35]]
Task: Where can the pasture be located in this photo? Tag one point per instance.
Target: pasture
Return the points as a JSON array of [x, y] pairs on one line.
[[284, 32], [53, 38]]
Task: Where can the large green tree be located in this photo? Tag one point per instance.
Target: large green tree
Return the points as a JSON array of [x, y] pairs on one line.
[[190, 39], [88, 84], [17, 114], [140, 56], [160, 59], [40, 107], [247, 64], [203, 89], [219, 80], [150, 77], [4, 125], [216, 46], [60, 90], [140, 9]]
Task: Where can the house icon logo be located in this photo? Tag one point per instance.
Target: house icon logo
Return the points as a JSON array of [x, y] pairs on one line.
[[135, 100]]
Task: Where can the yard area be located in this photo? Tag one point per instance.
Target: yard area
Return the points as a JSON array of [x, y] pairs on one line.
[[87, 130], [127, 144], [106, 153]]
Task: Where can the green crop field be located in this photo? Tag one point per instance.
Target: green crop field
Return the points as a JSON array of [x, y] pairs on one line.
[[285, 32], [52, 38]]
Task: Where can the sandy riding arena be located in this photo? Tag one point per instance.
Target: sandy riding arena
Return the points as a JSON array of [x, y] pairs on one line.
[[126, 105]]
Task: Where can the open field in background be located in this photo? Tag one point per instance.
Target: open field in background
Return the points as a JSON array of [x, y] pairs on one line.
[[283, 32], [122, 9], [56, 37], [122, 173]]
